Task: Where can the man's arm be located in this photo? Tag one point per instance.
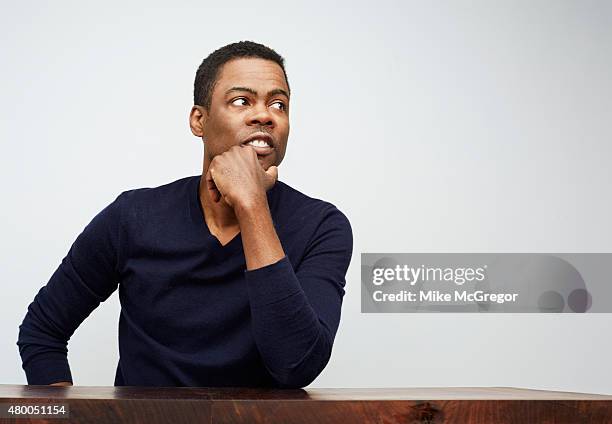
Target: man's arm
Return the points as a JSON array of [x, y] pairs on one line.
[[238, 178], [295, 313], [86, 277], [259, 239]]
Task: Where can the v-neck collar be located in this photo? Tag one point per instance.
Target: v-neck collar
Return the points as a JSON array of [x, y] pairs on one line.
[[199, 222]]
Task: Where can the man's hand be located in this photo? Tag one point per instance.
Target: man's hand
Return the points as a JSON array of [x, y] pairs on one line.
[[237, 177]]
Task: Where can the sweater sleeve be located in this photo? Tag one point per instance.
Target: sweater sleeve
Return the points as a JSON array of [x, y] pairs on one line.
[[86, 276], [295, 313]]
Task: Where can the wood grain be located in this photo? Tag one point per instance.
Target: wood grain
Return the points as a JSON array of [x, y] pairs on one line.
[[152, 405]]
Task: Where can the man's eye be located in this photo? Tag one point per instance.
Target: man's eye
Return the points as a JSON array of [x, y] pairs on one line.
[[236, 102], [281, 105]]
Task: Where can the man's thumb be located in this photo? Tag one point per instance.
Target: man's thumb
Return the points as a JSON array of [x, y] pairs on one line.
[[271, 176]]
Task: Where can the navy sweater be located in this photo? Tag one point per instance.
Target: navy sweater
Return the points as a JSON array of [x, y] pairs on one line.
[[191, 315]]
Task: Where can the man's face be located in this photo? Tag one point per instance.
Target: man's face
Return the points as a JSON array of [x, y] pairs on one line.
[[249, 101]]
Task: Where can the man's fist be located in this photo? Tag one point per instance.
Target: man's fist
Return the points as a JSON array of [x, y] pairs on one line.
[[237, 177]]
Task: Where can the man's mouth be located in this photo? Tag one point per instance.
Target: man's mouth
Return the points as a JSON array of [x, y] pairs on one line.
[[262, 143]]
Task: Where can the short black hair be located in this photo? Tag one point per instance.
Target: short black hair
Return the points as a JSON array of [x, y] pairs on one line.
[[207, 73]]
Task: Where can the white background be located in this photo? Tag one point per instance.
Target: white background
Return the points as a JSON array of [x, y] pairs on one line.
[[434, 126]]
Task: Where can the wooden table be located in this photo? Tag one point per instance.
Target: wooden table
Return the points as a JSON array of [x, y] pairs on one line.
[[151, 405]]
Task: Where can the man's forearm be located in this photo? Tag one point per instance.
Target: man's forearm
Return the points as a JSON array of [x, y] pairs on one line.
[[293, 342], [259, 239]]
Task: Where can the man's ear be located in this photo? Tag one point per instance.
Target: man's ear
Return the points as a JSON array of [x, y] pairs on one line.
[[197, 120]]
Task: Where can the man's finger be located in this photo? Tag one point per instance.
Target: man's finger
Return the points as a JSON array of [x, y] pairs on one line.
[[215, 194], [271, 176]]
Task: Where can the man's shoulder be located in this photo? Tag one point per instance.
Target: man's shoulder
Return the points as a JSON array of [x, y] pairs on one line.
[[297, 206], [289, 198], [306, 221], [165, 194], [157, 201], [171, 189]]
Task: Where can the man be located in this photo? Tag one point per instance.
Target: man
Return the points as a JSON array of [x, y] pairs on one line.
[[229, 278]]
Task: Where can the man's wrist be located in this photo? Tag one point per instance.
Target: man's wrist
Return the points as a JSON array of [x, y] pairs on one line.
[[259, 239], [251, 206]]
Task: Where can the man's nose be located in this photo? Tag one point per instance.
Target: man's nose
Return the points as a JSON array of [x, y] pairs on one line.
[[261, 116]]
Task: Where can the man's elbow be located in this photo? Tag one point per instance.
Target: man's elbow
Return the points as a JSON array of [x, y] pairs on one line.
[[294, 380], [305, 372]]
